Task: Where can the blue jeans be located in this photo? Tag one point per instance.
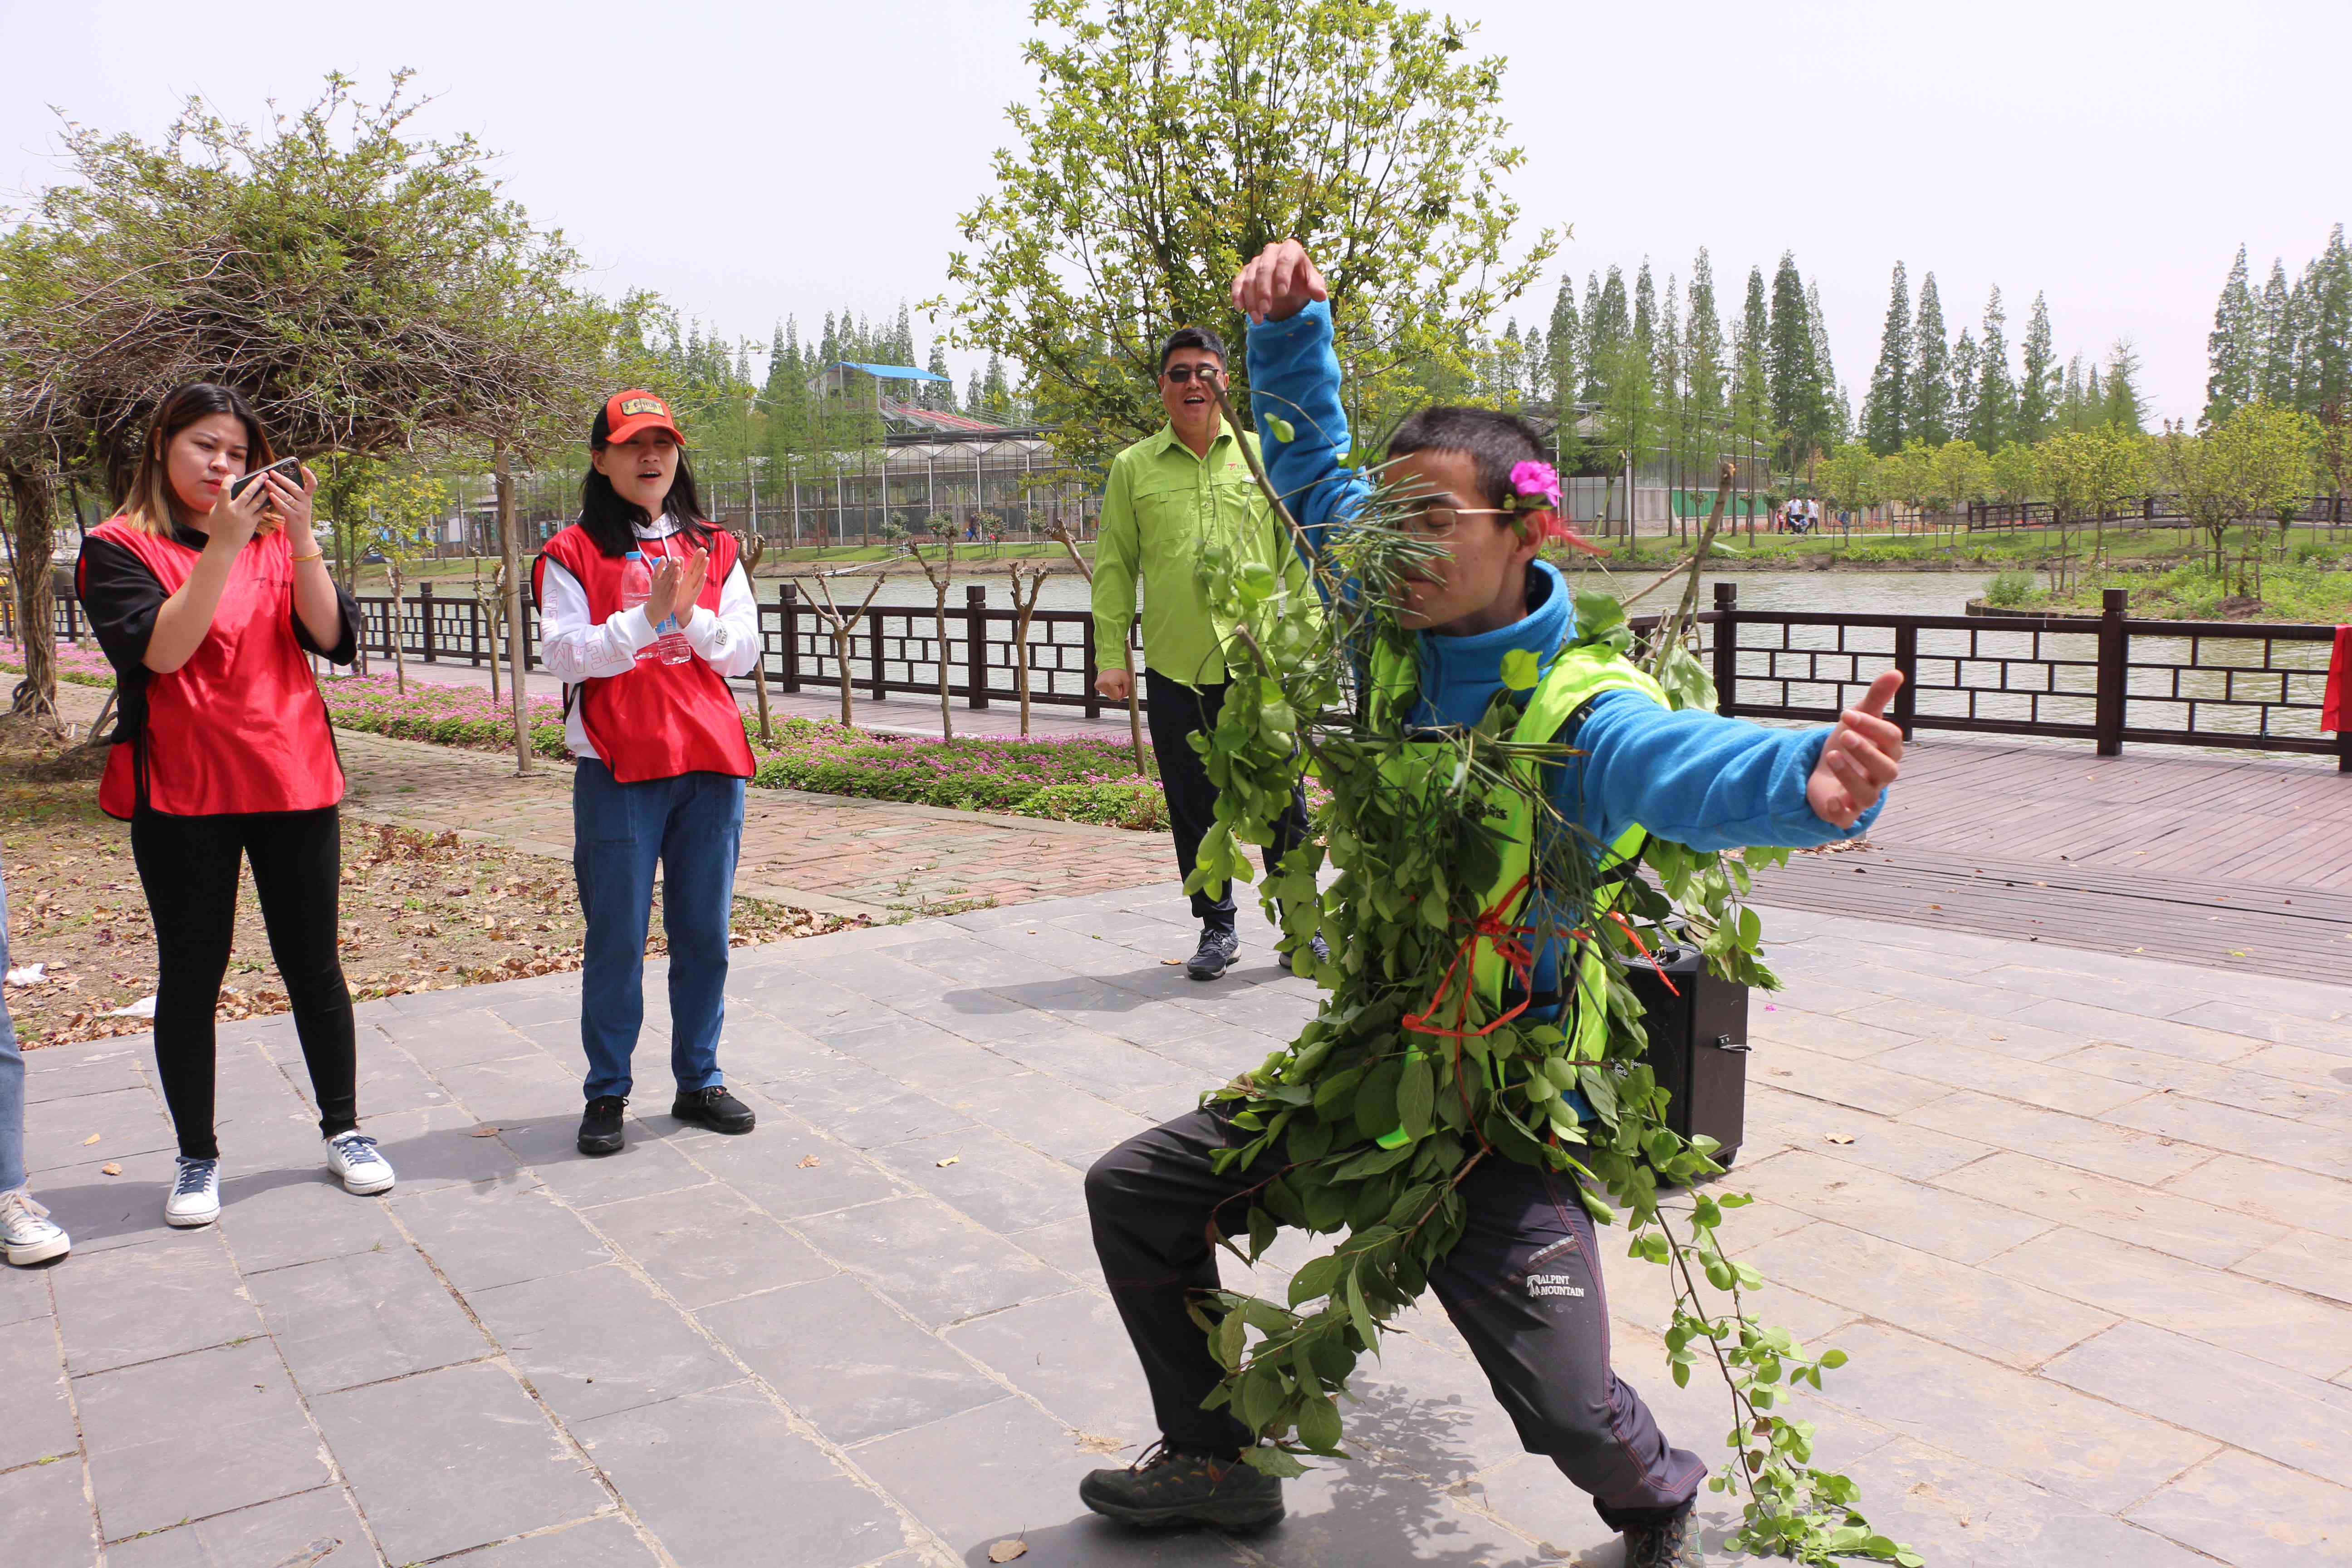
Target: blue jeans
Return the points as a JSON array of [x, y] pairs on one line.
[[12, 1079], [693, 824]]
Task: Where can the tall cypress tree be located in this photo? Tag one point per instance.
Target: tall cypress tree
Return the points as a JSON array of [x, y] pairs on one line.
[[1608, 328], [1788, 360], [2328, 328], [1886, 415], [1964, 384], [938, 395], [1645, 312], [2233, 350], [2121, 407], [2275, 383], [1993, 418], [1751, 389], [2037, 384], [1834, 414], [1564, 346], [1931, 369], [1703, 339], [902, 339]]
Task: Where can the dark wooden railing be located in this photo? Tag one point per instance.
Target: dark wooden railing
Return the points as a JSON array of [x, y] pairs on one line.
[[2106, 678], [2149, 511]]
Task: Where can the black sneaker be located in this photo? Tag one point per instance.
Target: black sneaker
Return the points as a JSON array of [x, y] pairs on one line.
[[600, 1125], [713, 1107], [1170, 1490], [1672, 1544], [1219, 947], [1315, 945]]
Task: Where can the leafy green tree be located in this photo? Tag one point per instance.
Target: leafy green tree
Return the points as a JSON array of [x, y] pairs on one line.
[[2037, 385], [2251, 463], [2016, 473], [371, 291], [2090, 474], [2233, 350], [1887, 416], [1930, 400], [1839, 421], [1803, 383], [2325, 379], [1853, 477], [1169, 140], [1962, 474], [1706, 375], [1751, 379]]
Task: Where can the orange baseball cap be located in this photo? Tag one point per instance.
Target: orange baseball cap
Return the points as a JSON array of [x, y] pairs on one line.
[[626, 414]]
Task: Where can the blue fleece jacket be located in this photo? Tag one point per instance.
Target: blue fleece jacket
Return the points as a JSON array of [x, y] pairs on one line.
[[1695, 777]]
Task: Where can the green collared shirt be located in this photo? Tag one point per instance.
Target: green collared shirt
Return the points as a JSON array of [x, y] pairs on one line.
[[1161, 506]]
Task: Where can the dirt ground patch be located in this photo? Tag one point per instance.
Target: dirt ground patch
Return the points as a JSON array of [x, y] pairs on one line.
[[419, 913]]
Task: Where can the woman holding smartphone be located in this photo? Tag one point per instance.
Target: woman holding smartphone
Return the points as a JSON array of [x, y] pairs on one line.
[[207, 594], [644, 614]]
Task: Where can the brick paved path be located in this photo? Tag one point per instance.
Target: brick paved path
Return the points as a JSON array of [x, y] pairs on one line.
[[2081, 1222]]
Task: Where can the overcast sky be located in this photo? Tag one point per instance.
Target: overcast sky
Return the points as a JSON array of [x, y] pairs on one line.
[[749, 161]]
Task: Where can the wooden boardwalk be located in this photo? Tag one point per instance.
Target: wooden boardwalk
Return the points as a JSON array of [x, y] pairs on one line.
[[2221, 861]]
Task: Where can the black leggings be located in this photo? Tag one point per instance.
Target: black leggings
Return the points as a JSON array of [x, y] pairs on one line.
[[189, 868]]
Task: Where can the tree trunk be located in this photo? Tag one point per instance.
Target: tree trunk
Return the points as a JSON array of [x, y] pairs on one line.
[[841, 633], [940, 629], [509, 552], [28, 492]]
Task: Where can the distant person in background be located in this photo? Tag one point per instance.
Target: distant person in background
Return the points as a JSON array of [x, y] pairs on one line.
[[663, 757], [1167, 496], [207, 604], [27, 1235]]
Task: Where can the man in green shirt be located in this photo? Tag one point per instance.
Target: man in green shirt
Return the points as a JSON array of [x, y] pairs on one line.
[[1167, 496]]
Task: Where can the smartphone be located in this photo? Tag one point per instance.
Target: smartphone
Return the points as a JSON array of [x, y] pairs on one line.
[[287, 469]]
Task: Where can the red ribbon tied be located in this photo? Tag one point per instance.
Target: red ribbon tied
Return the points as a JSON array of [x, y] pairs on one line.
[[1507, 941]]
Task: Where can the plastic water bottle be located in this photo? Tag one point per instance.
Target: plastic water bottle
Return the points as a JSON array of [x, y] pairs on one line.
[[636, 585], [670, 642]]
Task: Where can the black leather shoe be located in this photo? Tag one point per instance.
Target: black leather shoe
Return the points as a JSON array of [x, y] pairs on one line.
[[714, 1108], [1219, 947], [600, 1125], [1170, 1490], [1672, 1544]]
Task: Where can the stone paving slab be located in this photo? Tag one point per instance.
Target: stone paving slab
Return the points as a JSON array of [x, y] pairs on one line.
[[2079, 1218]]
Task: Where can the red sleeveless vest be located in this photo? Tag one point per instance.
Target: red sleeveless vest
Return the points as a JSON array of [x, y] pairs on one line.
[[659, 720], [241, 726]]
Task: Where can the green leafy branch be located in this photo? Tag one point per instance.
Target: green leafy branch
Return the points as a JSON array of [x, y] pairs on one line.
[[1365, 1127]]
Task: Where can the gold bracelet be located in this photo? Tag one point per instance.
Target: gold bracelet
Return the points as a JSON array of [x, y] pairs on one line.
[[314, 555]]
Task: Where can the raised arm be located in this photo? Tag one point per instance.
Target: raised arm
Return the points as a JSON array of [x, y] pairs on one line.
[[1294, 378]]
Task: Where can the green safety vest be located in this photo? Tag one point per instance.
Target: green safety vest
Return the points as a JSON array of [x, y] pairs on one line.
[[1578, 673]]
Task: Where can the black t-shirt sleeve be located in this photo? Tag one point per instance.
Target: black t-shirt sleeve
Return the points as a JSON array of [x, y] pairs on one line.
[[347, 636], [121, 595]]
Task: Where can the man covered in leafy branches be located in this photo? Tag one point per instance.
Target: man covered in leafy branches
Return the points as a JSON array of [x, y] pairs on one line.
[[1476, 616]]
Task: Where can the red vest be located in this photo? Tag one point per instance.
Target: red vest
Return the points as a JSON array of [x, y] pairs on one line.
[[241, 726], [659, 720]]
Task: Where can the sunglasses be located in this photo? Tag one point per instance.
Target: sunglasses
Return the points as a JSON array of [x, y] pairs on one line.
[[1180, 374]]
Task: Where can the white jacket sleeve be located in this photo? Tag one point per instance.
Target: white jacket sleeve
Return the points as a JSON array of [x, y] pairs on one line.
[[577, 648], [729, 640]]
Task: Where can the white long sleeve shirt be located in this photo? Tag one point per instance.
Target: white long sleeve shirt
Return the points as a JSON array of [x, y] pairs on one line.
[[578, 649]]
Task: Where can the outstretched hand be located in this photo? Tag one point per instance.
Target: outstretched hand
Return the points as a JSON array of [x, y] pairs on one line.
[[1860, 759], [1276, 284]]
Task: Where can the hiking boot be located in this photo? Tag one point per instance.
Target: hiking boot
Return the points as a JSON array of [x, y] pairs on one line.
[[353, 1158], [1168, 1489], [27, 1234], [1317, 948], [713, 1107], [1672, 1544], [1219, 947], [195, 1198], [600, 1125]]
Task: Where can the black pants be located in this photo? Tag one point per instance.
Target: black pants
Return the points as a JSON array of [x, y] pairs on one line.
[[1523, 1285], [189, 867], [1177, 712]]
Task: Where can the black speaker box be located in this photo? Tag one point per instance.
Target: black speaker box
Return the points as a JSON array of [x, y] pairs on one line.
[[1698, 1044]]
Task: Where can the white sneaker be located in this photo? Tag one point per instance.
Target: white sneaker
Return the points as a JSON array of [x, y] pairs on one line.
[[26, 1234], [353, 1158], [194, 1198]]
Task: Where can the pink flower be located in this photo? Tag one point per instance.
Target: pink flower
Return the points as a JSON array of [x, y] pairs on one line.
[[1536, 483]]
